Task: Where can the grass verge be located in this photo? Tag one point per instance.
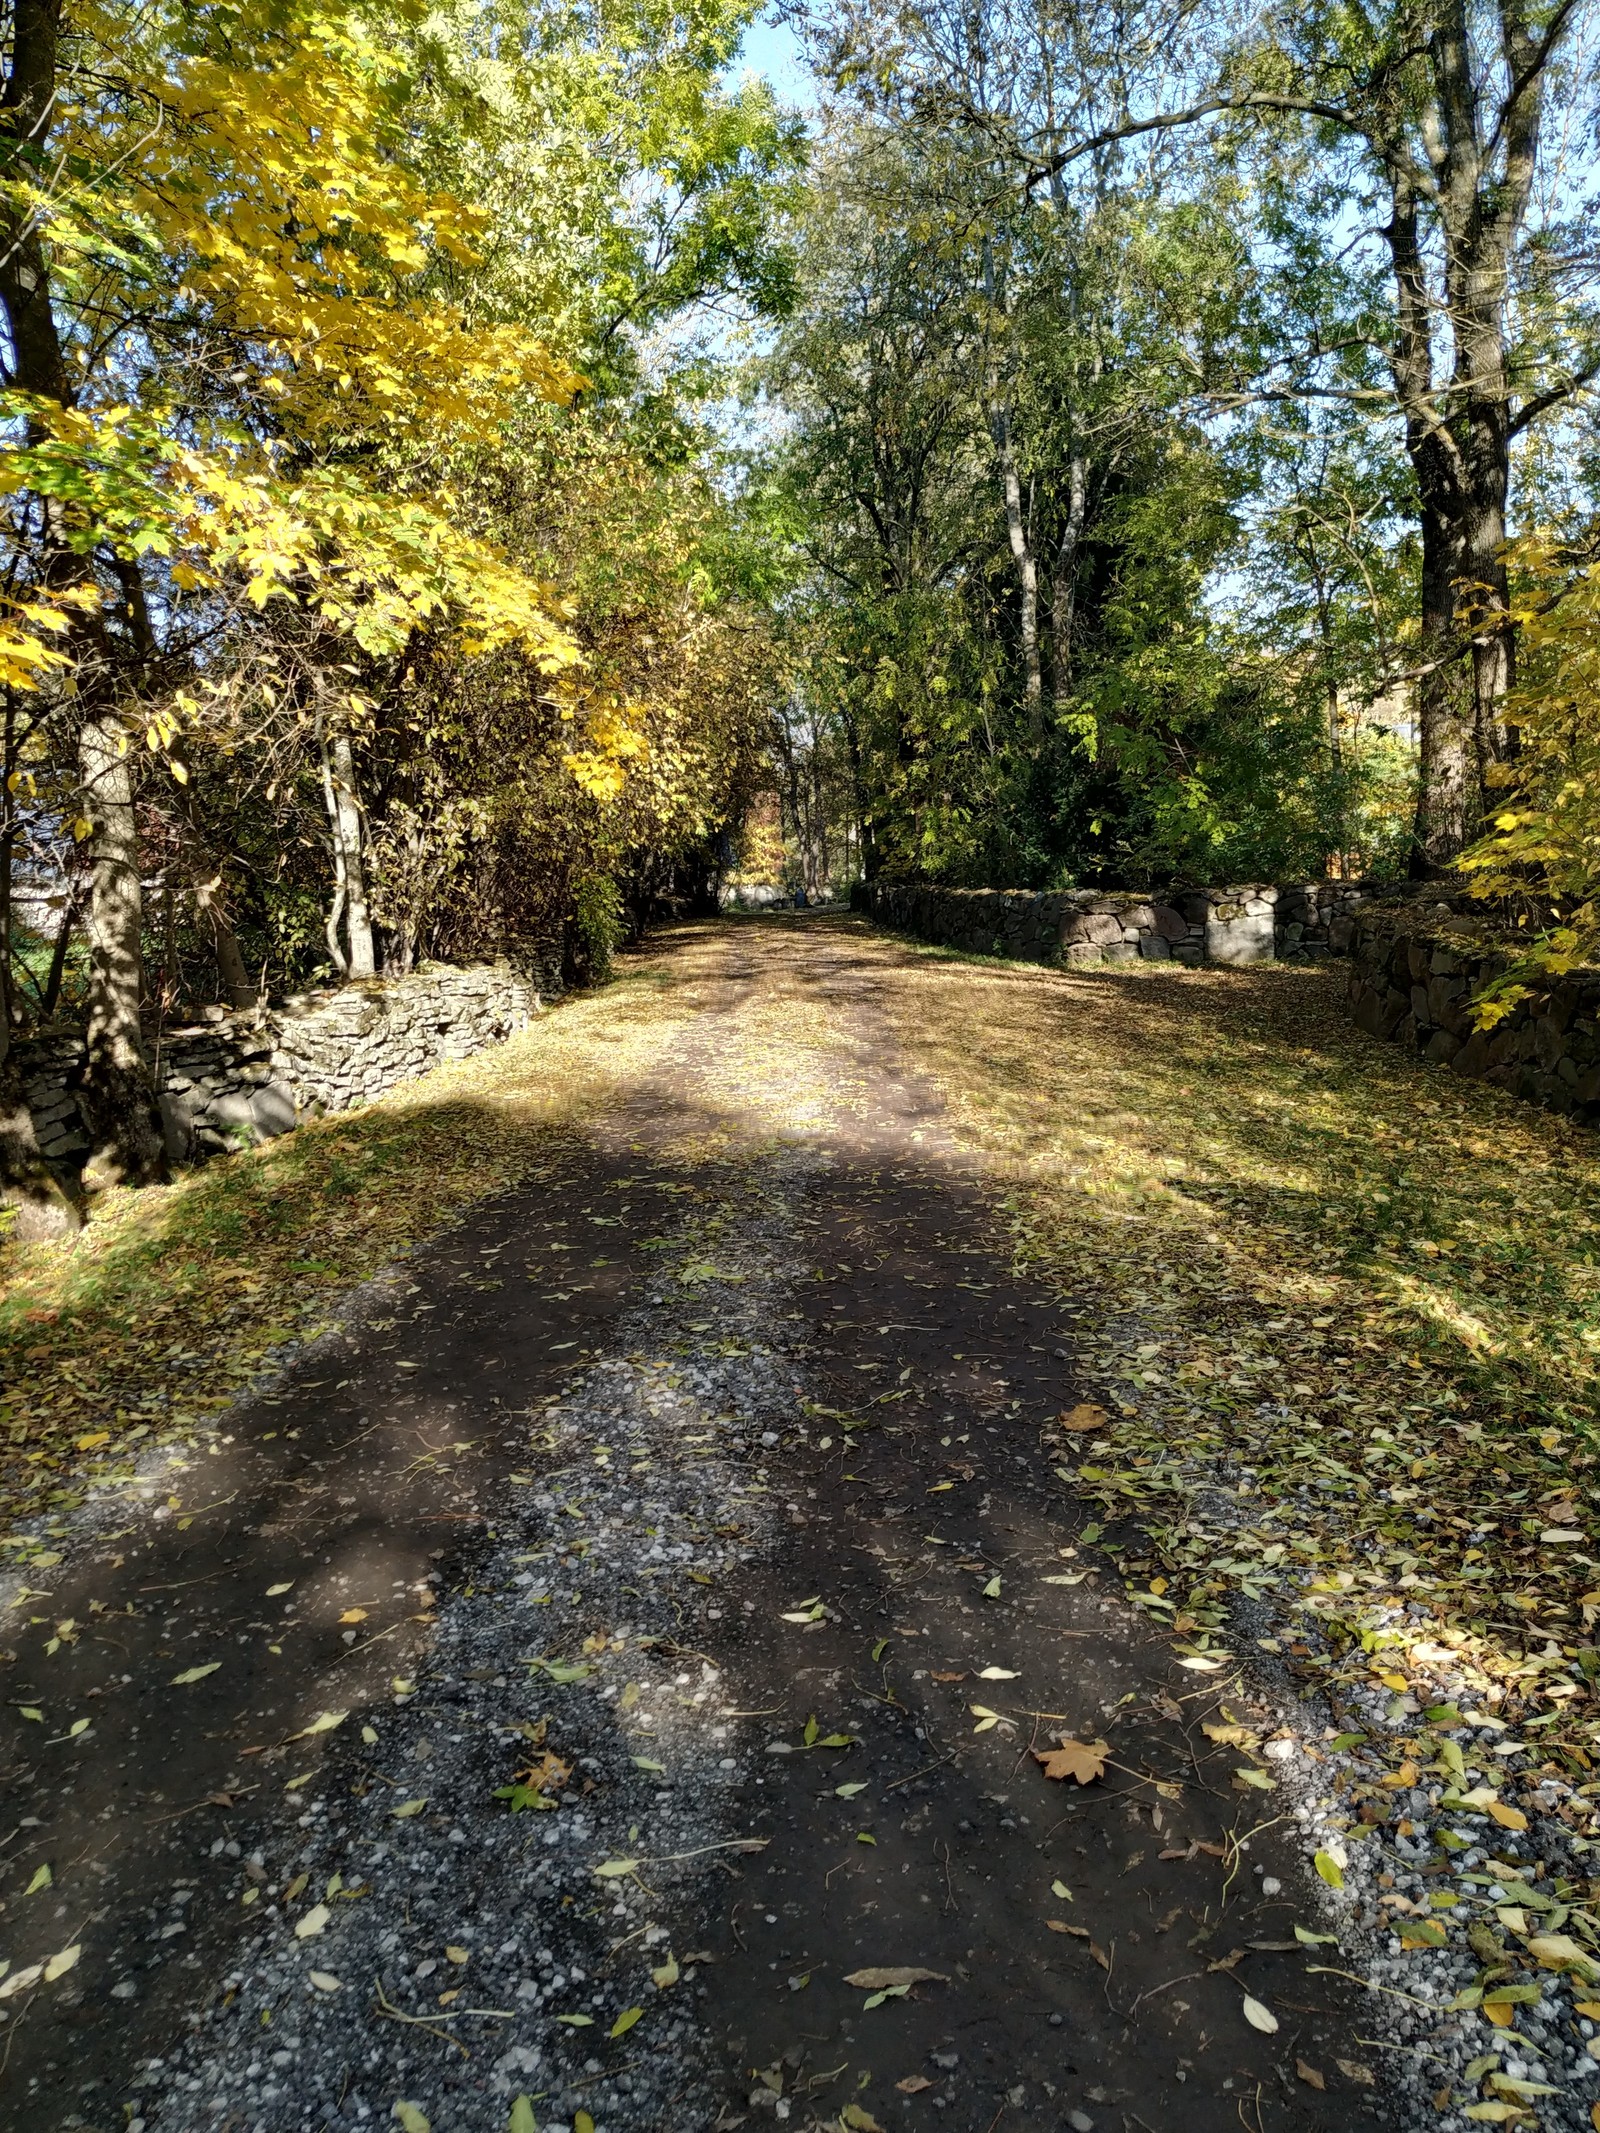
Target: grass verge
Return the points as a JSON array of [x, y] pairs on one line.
[[1346, 1311], [173, 1299]]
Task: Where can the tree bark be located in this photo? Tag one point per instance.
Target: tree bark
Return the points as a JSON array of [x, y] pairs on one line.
[[58, 959], [357, 958], [1064, 588], [114, 1095], [1018, 532], [236, 986]]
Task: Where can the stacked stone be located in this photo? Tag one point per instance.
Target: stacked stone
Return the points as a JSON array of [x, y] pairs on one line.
[[1253, 923], [45, 1064], [1413, 976], [232, 1081]]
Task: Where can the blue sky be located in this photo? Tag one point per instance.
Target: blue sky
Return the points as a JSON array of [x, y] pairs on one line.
[[770, 48]]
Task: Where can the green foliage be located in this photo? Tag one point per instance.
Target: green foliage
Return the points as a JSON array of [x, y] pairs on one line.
[[600, 918]]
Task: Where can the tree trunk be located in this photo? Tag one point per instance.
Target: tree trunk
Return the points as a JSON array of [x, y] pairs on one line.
[[236, 986], [1018, 532], [116, 1098], [58, 959], [1447, 786], [357, 959], [115, 1095], [1064, 590]]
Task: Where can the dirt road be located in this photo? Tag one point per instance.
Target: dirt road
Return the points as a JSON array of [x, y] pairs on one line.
[[641, 1621]]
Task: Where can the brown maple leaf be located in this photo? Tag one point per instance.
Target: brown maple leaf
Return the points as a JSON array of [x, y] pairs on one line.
[[1085, 1416], [1084, 1760]]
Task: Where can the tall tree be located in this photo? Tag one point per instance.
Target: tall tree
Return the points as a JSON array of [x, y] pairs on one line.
[[1454, 123]]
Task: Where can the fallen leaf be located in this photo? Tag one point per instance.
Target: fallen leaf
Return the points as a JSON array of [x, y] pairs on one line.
[[1556, 1951], [324, 1980], [997, 1673], [1084, 1417], [411, 2120], [324, 1722], [991, 1591], [522, 2119], [577, 2021], [1330, 1869], [934, 1674], [894, 1978], [313, 1922], [59, 1965], [1083, 1760], [858, 2120], [1353, 2070], [42, 1879], [625, 2021], [276, 1592], [1100, 1955], [1507, 1817], [1260, 2016], [668, 1974], [914, 2085], [582, 2122], [848, 1792], [195, 1673], [1059, 1888], [457, 1956], [614, 1869], [1309, 2075], [408, 1808]]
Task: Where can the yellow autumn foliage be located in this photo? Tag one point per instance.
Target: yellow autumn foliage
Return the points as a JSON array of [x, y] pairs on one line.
[[1543, 844]]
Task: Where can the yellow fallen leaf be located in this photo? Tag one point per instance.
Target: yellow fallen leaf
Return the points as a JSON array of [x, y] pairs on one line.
[[625, 2021], [324, 1722], [1260, 2016], [1507, 1817], [408, 1808], [1083, 1418], [59, 1965], [324, 1980], [193, 1674], [354, 1614], [456, 1955], [1558, 1951], [314, 1922]]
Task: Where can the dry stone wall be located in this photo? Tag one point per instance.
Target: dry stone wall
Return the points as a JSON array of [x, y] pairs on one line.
[[234, 1080], [1412, 975], [1251, 923]]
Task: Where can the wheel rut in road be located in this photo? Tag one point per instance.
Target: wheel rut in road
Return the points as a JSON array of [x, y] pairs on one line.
[[593, 1552]]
